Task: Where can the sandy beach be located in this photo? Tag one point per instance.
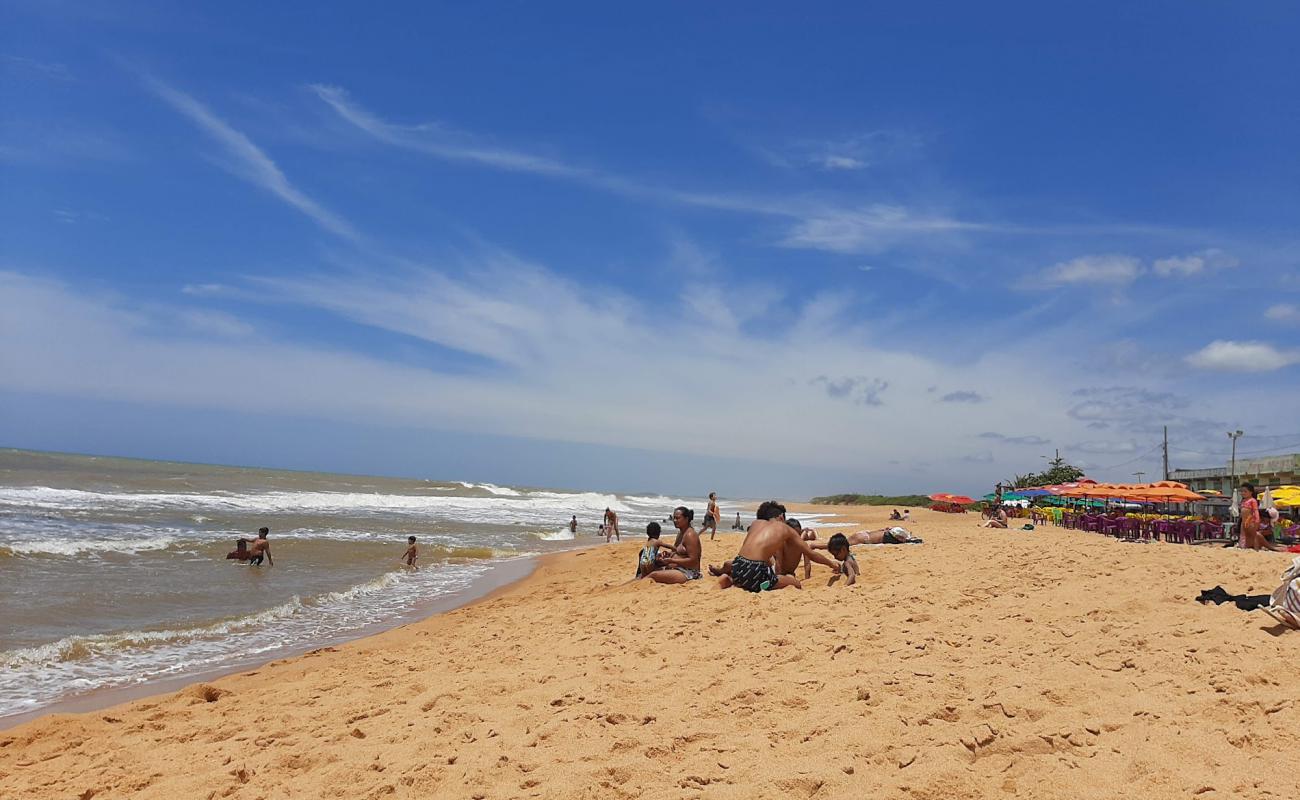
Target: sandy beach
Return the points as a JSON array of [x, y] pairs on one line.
[[981, 663]]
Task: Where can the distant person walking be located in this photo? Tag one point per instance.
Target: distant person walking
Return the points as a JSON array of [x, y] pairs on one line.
[[573, 524], [737, 525], [711, 517], [611, 525]]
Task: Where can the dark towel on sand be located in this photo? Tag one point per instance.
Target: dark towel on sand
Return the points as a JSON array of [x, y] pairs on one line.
[[1246, 602]]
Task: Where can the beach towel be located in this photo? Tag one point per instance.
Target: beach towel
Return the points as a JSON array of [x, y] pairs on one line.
[[1246, 602]]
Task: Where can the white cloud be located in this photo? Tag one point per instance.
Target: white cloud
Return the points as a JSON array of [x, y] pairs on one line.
[[539, 357], [1103, 269], [869, 229], [1283, 312], [1194, 263], [834, 162], [1229, 356], [248, 161]]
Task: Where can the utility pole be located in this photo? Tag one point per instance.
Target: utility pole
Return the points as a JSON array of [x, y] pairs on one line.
[[1166, 452], [1234, 436], [1138, 475]]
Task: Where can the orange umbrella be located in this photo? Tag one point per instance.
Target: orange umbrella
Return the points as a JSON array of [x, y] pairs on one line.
[[956, 499], [1171, 494]]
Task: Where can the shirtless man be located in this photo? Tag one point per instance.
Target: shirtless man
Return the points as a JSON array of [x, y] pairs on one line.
[[260, 548], [751, 569], [611, 526], [573, 524], [684, 563], [412, 552], [711, 516]]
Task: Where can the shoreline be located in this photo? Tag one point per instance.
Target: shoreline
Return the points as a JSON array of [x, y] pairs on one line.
[[980, 664], [497, 580]]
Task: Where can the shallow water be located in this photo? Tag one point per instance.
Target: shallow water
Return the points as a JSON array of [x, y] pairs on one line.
[[113, 571]]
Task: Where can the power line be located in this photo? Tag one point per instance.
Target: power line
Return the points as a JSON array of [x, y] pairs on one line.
[[1135, 458]]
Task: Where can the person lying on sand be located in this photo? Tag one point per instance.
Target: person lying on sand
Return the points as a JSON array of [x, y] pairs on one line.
[[412, 552], [752, 570], [648, 560], [839, 548], [684, 563], [893, 535]]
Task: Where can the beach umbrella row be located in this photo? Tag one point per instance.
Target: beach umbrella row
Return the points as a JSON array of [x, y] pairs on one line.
[[954, 499]]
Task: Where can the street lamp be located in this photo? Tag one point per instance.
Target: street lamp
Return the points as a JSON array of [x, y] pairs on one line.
[[1234, 436]]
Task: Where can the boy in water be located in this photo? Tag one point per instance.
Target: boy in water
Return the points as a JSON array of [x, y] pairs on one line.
[[412, 553], [261, 548], [838, 547]]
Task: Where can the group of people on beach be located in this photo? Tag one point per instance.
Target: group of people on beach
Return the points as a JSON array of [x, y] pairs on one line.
[[769, 557]]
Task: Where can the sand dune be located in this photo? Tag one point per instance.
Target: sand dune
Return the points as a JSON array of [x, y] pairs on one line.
[[980, 664]]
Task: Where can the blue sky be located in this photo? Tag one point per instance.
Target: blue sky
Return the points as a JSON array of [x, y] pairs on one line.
[[747, 246]]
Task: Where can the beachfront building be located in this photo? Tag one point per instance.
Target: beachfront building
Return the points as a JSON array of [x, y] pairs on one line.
[[1263, 472]]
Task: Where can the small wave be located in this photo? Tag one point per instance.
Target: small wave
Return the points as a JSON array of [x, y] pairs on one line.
[[563, 534], [80, 648], [73, 547]]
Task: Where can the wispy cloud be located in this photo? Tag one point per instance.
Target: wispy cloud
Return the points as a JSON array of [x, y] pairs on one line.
[[1194, 263], [860, 390], [48, 70], [1228, 356], [1025, 440], [1106, 269], [814, 223], [1284, 312], [248, 161], [963, 396]]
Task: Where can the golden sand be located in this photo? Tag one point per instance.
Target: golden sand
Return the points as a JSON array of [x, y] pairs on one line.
[[978, 664]]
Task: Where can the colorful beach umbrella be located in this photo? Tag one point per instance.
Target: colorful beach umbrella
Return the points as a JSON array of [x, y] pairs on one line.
[[955, 499]]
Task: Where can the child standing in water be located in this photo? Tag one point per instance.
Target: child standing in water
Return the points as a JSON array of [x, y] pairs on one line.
[[412, 552]]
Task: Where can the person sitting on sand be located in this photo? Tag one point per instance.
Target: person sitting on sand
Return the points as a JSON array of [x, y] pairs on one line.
[[808, 535], [839, 548], [684, 563], [261, 548], [611, 526], [894, 515], [766, 511], [998, 519], [412, 552], [752, 570], [648, 560]]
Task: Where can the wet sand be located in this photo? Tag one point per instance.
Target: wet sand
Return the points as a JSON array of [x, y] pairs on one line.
[[980, 664]]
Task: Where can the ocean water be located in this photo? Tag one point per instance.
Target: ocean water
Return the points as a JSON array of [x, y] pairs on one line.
[[113, 571]]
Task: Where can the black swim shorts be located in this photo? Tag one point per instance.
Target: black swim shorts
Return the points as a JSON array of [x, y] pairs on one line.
[[752, 576]]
